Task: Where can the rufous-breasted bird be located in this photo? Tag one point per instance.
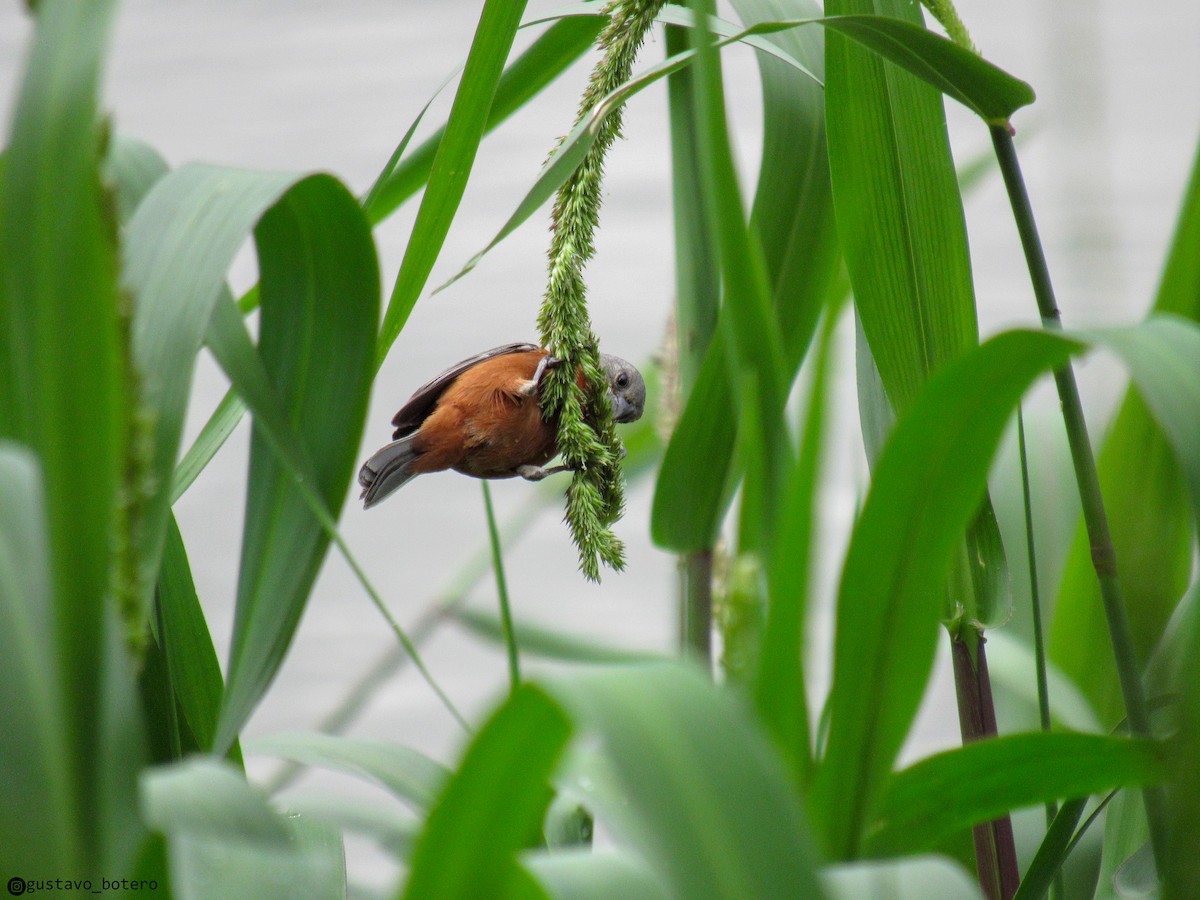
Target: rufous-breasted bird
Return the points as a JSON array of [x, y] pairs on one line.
[[483, 417]]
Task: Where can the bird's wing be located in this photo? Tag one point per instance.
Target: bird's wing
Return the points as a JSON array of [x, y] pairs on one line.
[[425, 398]]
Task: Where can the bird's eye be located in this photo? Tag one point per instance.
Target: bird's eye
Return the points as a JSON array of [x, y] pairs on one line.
[[623, 379]]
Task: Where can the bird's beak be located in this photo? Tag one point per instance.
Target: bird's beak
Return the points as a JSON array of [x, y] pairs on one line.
[[623, 410]]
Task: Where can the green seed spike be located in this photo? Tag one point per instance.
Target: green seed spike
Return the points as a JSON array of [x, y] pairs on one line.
[[596, 496]]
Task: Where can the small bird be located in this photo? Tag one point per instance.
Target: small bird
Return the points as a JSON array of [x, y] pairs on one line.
[[483, 417]]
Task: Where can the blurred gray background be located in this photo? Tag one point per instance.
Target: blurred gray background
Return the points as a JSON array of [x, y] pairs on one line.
[[333, 86]]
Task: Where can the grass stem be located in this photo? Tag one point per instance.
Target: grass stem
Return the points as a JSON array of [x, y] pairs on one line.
[[1084, 462], [995, 847], [1039, 638], [506, 622]]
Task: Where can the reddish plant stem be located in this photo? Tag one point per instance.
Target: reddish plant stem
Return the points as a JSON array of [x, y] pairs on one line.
[[995, 848]]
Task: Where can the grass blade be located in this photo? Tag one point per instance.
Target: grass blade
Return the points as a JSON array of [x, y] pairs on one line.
[[193, 671], [178, 247], [899, 213], [688, 780], [1144, 488], [33, 740], [234, 351], [561, 44], [779, 689], [62, 358], [926, 488], [212, 437], [320, 290], [452, 163], [224, 840], [989, 92], [583, 874], [928, 802], [409, 775], [494, 803], [792, 217]]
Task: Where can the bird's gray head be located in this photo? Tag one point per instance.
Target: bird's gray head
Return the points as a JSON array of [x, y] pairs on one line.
[[626, 389]]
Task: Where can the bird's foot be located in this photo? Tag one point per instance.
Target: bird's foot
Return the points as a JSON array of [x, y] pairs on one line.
[[531, 387], [537, 473]]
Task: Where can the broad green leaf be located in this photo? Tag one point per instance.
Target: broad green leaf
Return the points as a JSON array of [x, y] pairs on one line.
[[320, 294], [1144, 493], [693, 490], [547, 57], [392, 829], [747, 329], [779, 688], [987, 91], [409, 775], [793, 203], [688, 781], [1052, 852], [793, 218], [61, 377], [594, 875], [1183, 867], [929, 477], [493, 804], [1146, 497], [1161, 355], [697, 271], [224, 840], [926, 488], [900, 218], [230, 343], [452, 162], [927, 802], [33, 740], [195, 674], [899, 213], [178, 247]]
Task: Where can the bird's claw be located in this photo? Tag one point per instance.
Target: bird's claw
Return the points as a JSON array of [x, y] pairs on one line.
[[545, 364], [537, 473]]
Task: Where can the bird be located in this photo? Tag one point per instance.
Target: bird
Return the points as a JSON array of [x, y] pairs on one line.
[[483, 417]]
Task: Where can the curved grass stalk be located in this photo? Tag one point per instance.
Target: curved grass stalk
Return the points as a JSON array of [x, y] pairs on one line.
[[1084, 462]]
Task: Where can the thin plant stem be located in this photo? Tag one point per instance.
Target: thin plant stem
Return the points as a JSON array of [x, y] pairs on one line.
[[1046, 866], [317, 507], [995, 847], [1039, 639], [506, 622], [1084, 462], [377, 601], [391, 660]]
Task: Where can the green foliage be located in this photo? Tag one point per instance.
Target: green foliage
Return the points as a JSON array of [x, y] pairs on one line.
[[1144, 490], [120, 738]]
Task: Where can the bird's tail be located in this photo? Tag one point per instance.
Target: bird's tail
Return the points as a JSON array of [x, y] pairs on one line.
[[386, 471]]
